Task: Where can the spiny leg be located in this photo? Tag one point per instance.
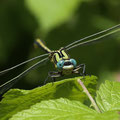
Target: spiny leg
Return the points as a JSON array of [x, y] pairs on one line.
[[78, 68], [53, 75], [83, 69]]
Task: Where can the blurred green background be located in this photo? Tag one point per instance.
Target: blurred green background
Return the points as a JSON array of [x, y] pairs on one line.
[[58, 23]]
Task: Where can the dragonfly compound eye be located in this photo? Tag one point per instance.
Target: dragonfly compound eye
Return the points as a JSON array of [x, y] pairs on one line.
[[60, 64], [73, 61]]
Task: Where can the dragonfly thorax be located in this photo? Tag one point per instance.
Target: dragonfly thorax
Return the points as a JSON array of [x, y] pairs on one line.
[[58, 55]]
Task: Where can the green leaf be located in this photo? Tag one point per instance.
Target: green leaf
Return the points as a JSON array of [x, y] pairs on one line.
[[49, 17], [16, 100], [62, 109], [108, 96]]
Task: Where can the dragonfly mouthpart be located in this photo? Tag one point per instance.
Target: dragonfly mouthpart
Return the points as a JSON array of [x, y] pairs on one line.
[[68, 67]]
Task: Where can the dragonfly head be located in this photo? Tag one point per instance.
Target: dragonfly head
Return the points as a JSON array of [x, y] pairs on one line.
[[66, 64]]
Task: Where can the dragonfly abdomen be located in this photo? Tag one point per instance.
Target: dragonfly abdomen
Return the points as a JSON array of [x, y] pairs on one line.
[[39, 43]]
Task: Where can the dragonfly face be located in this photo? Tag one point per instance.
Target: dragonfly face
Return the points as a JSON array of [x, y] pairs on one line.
[[63, 62], [67, 66]]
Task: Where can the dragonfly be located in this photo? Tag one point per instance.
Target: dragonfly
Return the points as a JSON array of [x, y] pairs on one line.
[[60, 58]]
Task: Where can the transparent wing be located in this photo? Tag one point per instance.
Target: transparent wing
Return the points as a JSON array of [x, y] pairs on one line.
[[7, 70], [95, 37], [6, 86]]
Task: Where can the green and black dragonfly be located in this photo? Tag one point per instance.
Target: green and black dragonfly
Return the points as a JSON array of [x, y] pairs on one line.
[[60, 58]]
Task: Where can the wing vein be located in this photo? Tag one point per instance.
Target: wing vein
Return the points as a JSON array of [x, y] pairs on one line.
[[96, 36], [110, 32], [4, 87], [11, 68]]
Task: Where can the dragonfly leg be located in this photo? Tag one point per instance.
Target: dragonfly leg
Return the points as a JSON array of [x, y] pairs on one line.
[[53, 75], [83, 69], [78, 68]]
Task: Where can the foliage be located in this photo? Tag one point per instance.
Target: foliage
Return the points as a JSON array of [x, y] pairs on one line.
[[61, 101], [108, 96], [53, 13], [58, 23], [16, 100], [63, 109]]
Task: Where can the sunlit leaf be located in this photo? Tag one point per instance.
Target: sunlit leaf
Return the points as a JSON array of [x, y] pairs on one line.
[[16, 100], [63, 109], [52, 13], [108, 96]]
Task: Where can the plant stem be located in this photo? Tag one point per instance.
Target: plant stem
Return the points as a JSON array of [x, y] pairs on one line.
[[89, 95]]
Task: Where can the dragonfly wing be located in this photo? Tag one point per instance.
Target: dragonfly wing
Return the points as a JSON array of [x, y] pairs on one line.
[[9, 69], [96, 38], [6, 86], [98, 35]]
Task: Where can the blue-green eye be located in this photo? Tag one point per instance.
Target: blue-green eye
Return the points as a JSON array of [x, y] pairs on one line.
[[73, 61], [60, 64]]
